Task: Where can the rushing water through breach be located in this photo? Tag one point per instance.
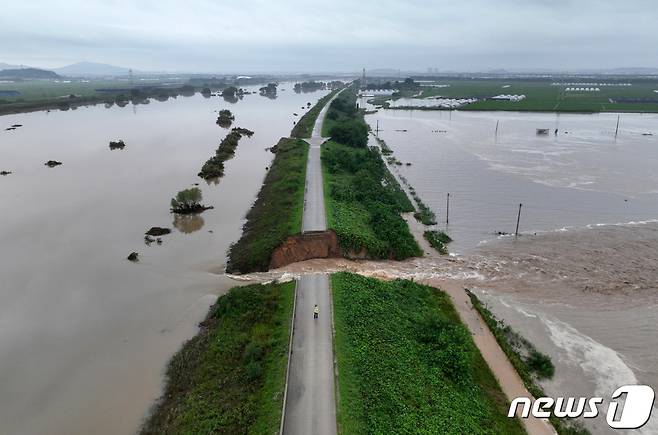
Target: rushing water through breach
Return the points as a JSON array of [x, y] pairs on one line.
[[580, 281]]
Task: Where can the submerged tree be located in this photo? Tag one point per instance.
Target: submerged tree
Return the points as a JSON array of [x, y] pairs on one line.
[[225, 118], [188, 201]]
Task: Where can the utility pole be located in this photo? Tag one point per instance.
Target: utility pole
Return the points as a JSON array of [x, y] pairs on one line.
[[518, 218], [617, 129], [377, 129], [447, 209], [497, 122]]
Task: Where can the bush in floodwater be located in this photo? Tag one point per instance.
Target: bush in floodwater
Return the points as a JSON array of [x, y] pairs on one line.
[[225, 118], [541, 364], [438, 240], [185, 200]]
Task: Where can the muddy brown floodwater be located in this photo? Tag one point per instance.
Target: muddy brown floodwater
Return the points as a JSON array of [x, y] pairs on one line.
[[586, 297], [84, 333], [581, 280]]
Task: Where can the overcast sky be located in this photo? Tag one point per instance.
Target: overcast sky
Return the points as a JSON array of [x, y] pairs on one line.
[[337, 35]]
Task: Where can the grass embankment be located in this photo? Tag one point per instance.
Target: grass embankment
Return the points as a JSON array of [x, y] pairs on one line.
[[542, 95], [363, 199], [406, 363], [230, 377], [438, 240], [277, 212], [304, 127], [530, 364], [424, 214]]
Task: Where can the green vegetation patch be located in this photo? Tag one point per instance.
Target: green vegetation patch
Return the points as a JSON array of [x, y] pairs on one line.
[[344, 122], [386, 150], [32, 95], [225, 118], [230, 377], [406, 363], [424, 213], [214, 166], [188, 201], [277, 212], [363, 199], [542, 95], [530, 364], [304, 127], [364, 202], [438, 240]]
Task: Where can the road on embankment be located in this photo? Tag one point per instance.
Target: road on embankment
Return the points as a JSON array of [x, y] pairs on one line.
[[310, 406], [315, 215], [310, 403]]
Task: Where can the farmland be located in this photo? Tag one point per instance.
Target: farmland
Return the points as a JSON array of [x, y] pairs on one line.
[[545, 95]]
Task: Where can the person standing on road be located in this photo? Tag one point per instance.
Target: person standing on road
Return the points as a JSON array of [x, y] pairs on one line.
[[316, 311]]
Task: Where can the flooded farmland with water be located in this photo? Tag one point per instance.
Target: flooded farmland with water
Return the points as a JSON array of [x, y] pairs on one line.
[[580, 281], [84, 333]]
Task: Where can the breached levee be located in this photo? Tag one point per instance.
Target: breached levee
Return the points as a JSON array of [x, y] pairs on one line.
[[306, 246]]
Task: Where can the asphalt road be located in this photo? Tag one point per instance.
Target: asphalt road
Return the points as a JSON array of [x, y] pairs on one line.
[[310, 403], [315, 216]]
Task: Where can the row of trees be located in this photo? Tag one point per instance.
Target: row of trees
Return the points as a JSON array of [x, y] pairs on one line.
[[348, 126], [214, 166]]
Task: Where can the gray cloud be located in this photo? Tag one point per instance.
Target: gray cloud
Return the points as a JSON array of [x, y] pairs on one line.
[[258, 35]]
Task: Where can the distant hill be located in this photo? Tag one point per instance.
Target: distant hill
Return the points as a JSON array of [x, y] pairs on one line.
[[10, 66], [27, 73], [86, 69]]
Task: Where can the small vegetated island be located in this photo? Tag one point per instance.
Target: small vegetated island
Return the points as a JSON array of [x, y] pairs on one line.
[[188, 201], [310, 86], [269, 90], [214, 166], [117, 145], [225, 118]]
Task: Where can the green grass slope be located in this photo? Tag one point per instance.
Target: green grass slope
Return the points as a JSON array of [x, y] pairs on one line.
[[230, 377], [406, 363], [277, 212], [363, 199]]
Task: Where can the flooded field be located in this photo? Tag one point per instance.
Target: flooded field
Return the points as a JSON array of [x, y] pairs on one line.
[[84, 333], [580, 281]]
